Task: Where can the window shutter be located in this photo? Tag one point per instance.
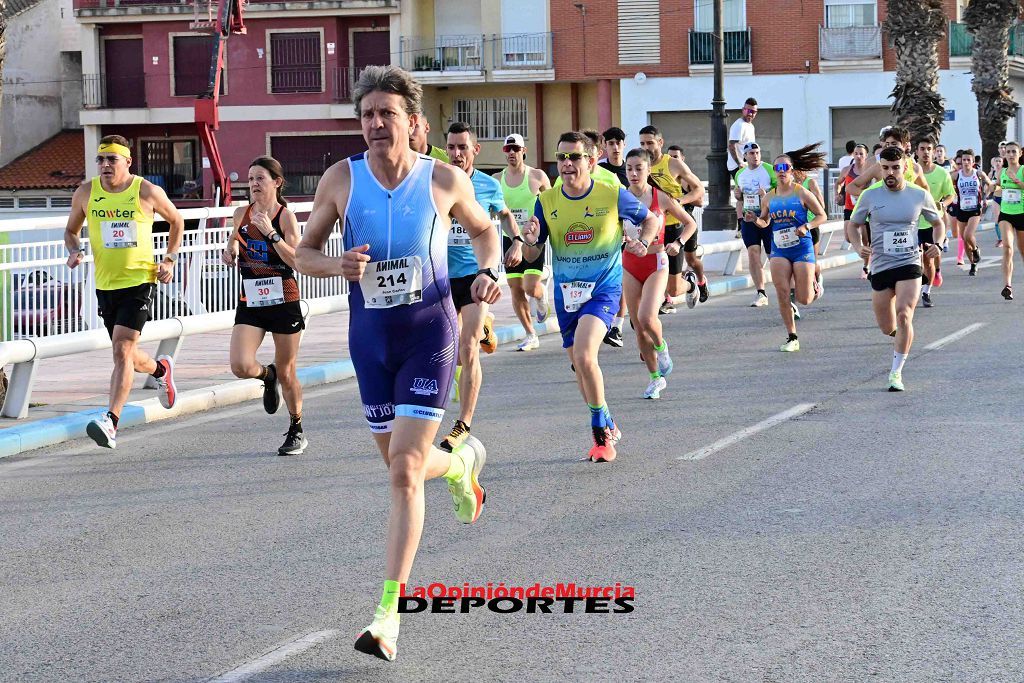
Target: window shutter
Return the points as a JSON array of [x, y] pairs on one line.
[[639, 32]]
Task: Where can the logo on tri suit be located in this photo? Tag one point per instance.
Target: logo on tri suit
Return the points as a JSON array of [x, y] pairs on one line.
[[424, 387], [579, 233]]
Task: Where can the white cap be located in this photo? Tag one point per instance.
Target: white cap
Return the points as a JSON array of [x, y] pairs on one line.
[[749, 146], [514, 139]]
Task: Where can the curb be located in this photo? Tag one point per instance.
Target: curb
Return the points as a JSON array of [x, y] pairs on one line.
[[54, 430]]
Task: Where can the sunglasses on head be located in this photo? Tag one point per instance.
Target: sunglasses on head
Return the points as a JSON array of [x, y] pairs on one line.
[[571, 156], [783, 167]]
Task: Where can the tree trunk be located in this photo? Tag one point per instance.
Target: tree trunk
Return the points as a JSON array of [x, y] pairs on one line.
[[915, 28], [989, 22]]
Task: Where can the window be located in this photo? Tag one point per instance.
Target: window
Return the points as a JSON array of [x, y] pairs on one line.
[[846, 14], [296, 62], [32, 203], [192, 56], [734, 15], [306, 157], [60, 202], [639, 32], [6, 202], [174, 165], [493, 118]]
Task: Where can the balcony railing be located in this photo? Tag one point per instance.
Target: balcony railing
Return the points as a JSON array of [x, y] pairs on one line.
[[99, 93], [342, 80], [961, 42], [852, 42], [442, 53], [524, 51], [735, 47]]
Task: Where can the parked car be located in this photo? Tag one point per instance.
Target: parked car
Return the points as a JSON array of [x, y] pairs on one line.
[[43, 305]]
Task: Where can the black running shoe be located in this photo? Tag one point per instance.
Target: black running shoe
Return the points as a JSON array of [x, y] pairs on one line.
[[294, 443], [704, 293], [271, 391], [667, 308], [613, 337], [976, 254], [973, 270], [926, 299], [1007, 293]]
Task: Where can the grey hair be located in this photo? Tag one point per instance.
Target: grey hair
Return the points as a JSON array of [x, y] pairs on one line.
[[389, 79]]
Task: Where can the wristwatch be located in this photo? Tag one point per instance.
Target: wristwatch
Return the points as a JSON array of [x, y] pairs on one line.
[[489, 272], [173, 258], [519, 238], [647, 245], [274, 238]]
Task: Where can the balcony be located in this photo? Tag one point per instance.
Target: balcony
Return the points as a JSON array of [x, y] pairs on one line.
[[99, 93], [735, 48], [961, 42], [478, 58], [342, 80], [850, 48]]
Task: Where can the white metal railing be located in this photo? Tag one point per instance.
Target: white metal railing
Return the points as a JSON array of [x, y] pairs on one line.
[[41, 297]]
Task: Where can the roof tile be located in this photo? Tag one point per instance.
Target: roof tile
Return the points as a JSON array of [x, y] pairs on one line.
[[57, 163]]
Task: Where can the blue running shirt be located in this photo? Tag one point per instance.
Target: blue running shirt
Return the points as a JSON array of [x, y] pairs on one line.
[[461, 259]]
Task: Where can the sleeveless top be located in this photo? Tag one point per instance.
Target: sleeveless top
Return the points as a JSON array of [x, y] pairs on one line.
[[519, 200], [633, 230], [787, 213], [408, 268], [968, 191], [850, 199], [661, 177], [121, 237], [1012, 201], [259, 265]]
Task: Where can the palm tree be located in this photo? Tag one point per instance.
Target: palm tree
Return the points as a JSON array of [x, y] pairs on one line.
[[915, 28], [989, 22]]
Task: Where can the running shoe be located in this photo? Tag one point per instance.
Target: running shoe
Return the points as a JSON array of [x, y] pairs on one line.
[[926, 300], [456, 437], [937, 280], [294, 442], [974, 270], [960, 263], [271, 391], [605, 439], [976, 255], [945, 245], [380, 638], [490, 341], [1007, 293], [760, 301], [790, 346], [655, 387], [529, 344], [613, 337], [168, 390], [693, 295], [544, 304], [665, 364], [819, 286], [796, 311], [103, 432], [704, 293], [896, 381], [667, 308], [468, 495]]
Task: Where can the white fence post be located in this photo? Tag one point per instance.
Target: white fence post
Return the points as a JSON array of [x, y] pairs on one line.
[[19, 390]]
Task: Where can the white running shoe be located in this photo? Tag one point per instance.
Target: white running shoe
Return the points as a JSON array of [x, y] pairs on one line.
[[664, 361], [796, 311], [692, 296], [103, 432], [819, 286], [544, 303], [655, 387], [760, 301], [380, 638], [529, 344]]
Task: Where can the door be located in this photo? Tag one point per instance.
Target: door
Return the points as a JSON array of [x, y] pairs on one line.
[[125, 79], [370, 47]]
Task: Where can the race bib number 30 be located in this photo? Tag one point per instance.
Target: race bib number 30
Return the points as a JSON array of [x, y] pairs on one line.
[[1011, 196], [899, 242], [119, 234], [394, 282], [786, 237], [575, 294], [266, 291]]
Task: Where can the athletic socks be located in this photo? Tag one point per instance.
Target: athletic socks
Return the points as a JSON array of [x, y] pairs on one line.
[[960, 248], [926, 289], [113, 418], [389, 598], [792, 337], [296, 421], [762, 292], [898, 359], [655, 375], [600, 417], [617, 323], [456, 467], [160, 370]]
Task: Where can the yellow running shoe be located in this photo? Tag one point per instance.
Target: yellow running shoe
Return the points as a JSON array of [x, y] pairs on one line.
[[468, 495], [380, 638], [490, 341]]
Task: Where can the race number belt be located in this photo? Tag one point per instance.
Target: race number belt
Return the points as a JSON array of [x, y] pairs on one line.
[[266, 291], [394, 282]]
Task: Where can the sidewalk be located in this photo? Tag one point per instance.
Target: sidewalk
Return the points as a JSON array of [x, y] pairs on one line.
[[72, 390]]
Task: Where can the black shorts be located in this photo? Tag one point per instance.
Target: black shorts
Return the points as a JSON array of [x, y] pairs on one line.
[[847, 213], [964, 216], [815, 235], [278, 319], [887, 279], [535, 267], [131, 307], [925, 236], [1016, 220], [462, 291], [677, 263]]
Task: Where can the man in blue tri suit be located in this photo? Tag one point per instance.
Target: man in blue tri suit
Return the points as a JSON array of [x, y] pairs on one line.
[[476, 324], [394, 207]]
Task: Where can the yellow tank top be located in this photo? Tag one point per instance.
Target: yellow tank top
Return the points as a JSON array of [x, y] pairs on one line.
[[121, 237], [667, 183]]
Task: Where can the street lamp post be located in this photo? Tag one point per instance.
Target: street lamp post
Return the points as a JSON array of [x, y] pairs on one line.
[[718, 214]]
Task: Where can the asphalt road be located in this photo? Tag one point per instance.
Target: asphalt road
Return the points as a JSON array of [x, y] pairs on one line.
[[875, 536]]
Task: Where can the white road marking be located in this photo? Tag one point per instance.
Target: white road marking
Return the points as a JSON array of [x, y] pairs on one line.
[[949, 339], [702, 453], [277, 655]]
